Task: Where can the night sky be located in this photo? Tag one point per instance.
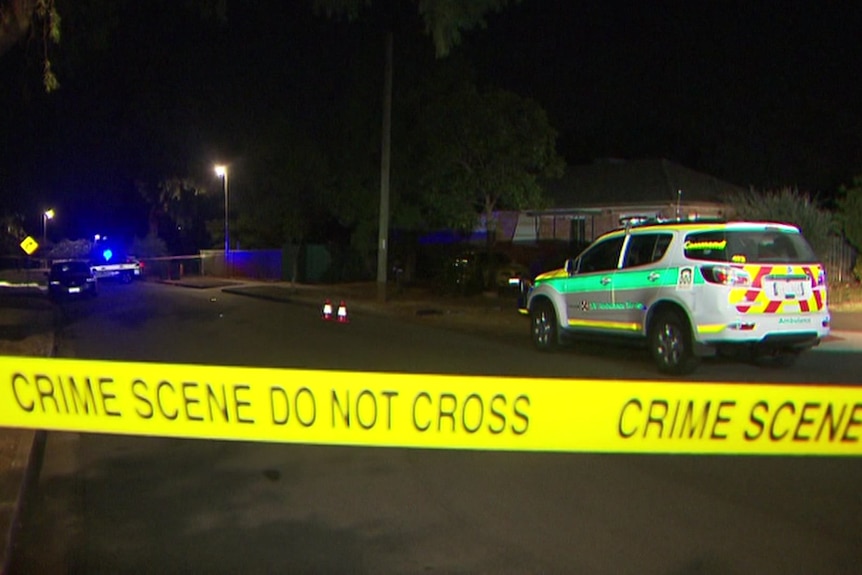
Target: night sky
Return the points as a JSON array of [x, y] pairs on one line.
[[756, 93]]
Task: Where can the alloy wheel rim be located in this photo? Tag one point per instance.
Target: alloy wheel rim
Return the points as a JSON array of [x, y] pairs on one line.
[[669, 345], [541, 328]]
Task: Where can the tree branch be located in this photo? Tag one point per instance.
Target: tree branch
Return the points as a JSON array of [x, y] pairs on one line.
[[16, 17]]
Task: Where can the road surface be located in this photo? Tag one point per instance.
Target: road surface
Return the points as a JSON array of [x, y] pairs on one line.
[[109, 504]]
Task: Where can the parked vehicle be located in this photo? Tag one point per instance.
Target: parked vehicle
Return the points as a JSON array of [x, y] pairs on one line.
[[124, 271], [688, 289], [474, 271], [71, 279]]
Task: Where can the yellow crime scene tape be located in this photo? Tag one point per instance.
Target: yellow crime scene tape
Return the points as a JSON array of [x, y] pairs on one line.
[[428, 411]]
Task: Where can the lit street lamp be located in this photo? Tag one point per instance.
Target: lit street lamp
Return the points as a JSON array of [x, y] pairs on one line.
[[47, 215], [221, 171]]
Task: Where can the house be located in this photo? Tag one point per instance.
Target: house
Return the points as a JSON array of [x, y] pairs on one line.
[[592, 199]]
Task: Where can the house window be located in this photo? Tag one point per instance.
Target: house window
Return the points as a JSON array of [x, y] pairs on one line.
[[578, 231]]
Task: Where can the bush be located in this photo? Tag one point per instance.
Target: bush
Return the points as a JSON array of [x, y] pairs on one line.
[[845, 296], [71, 250], [850, 215], [149, 247], [788, 205]]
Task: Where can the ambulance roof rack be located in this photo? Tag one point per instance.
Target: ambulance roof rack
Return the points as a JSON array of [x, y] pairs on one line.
[[640, 221]]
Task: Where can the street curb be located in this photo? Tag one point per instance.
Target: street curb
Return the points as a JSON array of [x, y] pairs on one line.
[[268, 297], [27, 463], [25, 469], [298, 298], [198, 285]]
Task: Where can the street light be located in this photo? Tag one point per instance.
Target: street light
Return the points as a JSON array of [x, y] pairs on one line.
[[47, 215], [221, 171]]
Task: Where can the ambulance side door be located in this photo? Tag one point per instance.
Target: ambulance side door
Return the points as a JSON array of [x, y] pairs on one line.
[[589, 290], [641, 278]]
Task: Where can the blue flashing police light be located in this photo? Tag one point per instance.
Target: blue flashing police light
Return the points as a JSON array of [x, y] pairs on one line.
[[107, 254]]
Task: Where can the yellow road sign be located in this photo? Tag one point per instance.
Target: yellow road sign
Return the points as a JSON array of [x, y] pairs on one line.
[[429, 411], [29, 245]]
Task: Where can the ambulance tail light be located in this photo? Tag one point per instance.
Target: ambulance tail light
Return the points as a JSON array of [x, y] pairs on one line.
[[817, 276], [726, 275]]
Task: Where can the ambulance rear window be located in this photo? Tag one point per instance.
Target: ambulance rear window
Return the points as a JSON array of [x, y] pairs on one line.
[[749, 246]]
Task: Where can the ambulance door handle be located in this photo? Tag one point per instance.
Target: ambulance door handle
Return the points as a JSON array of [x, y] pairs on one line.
[[653, 276], [606, 280]]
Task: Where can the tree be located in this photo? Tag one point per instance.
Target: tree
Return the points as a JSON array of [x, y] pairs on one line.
[[850, 218], [148, 247], [283, 203], [284, 194], [850, 212], [20, 17], [483, 152], [11, 233], [71, 249], [790, 206], [444, 20], [41, 19], [349, 191], [178, 211]]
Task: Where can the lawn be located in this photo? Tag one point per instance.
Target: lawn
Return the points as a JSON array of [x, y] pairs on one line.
[[845, 296]]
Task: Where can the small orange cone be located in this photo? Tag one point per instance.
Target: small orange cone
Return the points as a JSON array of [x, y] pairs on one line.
[[327, 310], [342, 313]]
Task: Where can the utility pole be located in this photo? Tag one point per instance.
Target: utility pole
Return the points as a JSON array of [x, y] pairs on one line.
[[385, 162]]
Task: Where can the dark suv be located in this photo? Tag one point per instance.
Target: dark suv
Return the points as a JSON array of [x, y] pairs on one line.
[[71, 279], [471, 272]]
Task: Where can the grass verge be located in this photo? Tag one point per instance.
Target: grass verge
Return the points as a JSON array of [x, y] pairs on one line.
[[845, 296]]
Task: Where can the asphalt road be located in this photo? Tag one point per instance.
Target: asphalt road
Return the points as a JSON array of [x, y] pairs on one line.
[[108, 504]]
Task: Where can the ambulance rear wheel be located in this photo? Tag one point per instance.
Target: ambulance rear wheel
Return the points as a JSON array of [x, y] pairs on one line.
[[670, 343]]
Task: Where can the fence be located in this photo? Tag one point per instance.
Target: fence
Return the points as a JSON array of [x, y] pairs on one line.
[[311, 263], [22, 263], [171, 267], [839, 261], [249, 264]]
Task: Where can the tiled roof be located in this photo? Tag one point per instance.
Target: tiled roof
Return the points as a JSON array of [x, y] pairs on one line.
[[617, 182]]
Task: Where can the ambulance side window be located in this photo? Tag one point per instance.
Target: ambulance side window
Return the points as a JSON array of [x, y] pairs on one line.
[[603, 256], [644, 249]]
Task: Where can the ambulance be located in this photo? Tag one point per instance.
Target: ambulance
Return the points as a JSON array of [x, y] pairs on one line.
[[688, 289]]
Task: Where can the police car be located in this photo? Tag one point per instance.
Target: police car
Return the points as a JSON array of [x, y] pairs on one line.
[[106, 264], [688, 289]]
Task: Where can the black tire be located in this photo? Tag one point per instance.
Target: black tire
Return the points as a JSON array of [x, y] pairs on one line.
[[670, 344], [126, 277], [543, 326]]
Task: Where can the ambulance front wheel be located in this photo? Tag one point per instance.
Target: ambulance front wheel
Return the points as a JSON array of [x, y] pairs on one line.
[[543, 326]]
